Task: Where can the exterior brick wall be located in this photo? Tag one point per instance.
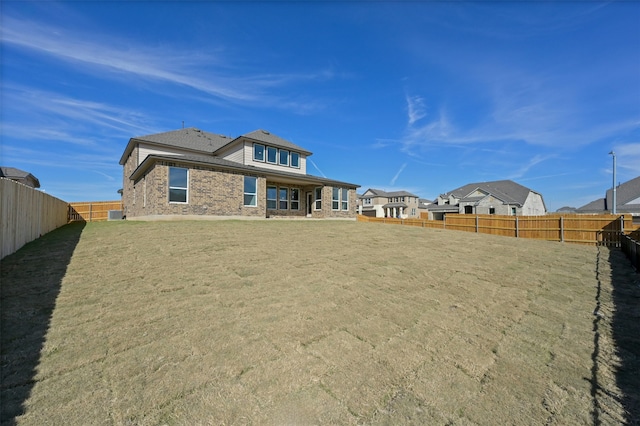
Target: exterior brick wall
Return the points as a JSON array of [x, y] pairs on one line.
[[127, 184], [215, 192]]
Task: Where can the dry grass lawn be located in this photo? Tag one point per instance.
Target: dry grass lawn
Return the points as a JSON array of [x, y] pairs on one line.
[[314, 322]]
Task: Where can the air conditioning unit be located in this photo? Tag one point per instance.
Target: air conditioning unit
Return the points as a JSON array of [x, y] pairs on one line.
[[115, 215]]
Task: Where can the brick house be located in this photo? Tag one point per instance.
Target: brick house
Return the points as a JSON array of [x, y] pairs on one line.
[[197, 173]]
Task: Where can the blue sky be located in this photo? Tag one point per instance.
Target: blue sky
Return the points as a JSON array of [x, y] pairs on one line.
[[417, 96]]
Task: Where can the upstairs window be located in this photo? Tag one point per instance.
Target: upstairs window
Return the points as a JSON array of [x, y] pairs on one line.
[[295, 160], [250, 191], [178, 184], [272, 155], [283, 155], [258, 152]]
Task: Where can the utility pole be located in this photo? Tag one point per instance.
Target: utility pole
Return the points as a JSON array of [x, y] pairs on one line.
[[614, 181]]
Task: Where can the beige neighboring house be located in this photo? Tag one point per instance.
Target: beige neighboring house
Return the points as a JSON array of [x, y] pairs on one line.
[[502, 197], [20, 176], [197, 173], [397, 204]]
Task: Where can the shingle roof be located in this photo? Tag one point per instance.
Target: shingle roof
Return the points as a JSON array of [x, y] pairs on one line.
[[13, 173], [190, 138], [381, 193], [505, 190], [626, 193], [274, 140]]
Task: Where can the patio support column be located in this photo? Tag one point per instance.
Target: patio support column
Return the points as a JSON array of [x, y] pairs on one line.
[[394, 212]]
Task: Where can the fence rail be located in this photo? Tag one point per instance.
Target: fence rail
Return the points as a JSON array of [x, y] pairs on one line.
[[604, 230], [92, 211]]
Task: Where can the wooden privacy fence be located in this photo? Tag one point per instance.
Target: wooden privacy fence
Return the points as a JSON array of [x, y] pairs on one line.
[[26, 214], [92, 211], [580, 229], [631, 247]]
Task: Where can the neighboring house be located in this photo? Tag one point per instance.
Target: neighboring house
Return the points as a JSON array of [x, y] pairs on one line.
[[503, 197], [21, 176], [398, 204], [192, 172], [627, 200]]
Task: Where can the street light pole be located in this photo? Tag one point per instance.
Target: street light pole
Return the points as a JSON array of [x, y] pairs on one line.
[[614, 181]]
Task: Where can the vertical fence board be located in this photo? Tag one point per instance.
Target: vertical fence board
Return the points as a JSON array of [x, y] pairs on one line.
[[27, 214], [92, 211]]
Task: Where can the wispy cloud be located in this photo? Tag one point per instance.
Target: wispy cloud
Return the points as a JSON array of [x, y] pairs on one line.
[[628, 158], [316, 167], [415, 108], [524, 168], [207, 73], [397, 175]]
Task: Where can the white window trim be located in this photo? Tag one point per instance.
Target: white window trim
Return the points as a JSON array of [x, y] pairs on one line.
[[249, 193], [344, 202], [290, 156], [267, 155], [316, 200], [178, 187], [280, 152], [275, 200], [264, 153], [335, 200], [280, 200], [291, 200]]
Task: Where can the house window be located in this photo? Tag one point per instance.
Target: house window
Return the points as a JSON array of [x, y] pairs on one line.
[[413, 211], [272, 197], [367, 201], [335, 199], [283, 157], [468, 209], [272, 154], [295, 199], [284, 199], [318, 198], [295, 160], [178, 178], [250, 191], [513, 211], [345, 199], [258, 152], [492, 210]]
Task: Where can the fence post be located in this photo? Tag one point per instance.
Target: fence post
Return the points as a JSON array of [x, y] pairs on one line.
[[621, 234], [562, 229], [517, 231], [477, 224], [90, 211]]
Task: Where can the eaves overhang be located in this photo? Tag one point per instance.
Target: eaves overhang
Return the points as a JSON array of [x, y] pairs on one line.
[[285, 177]]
